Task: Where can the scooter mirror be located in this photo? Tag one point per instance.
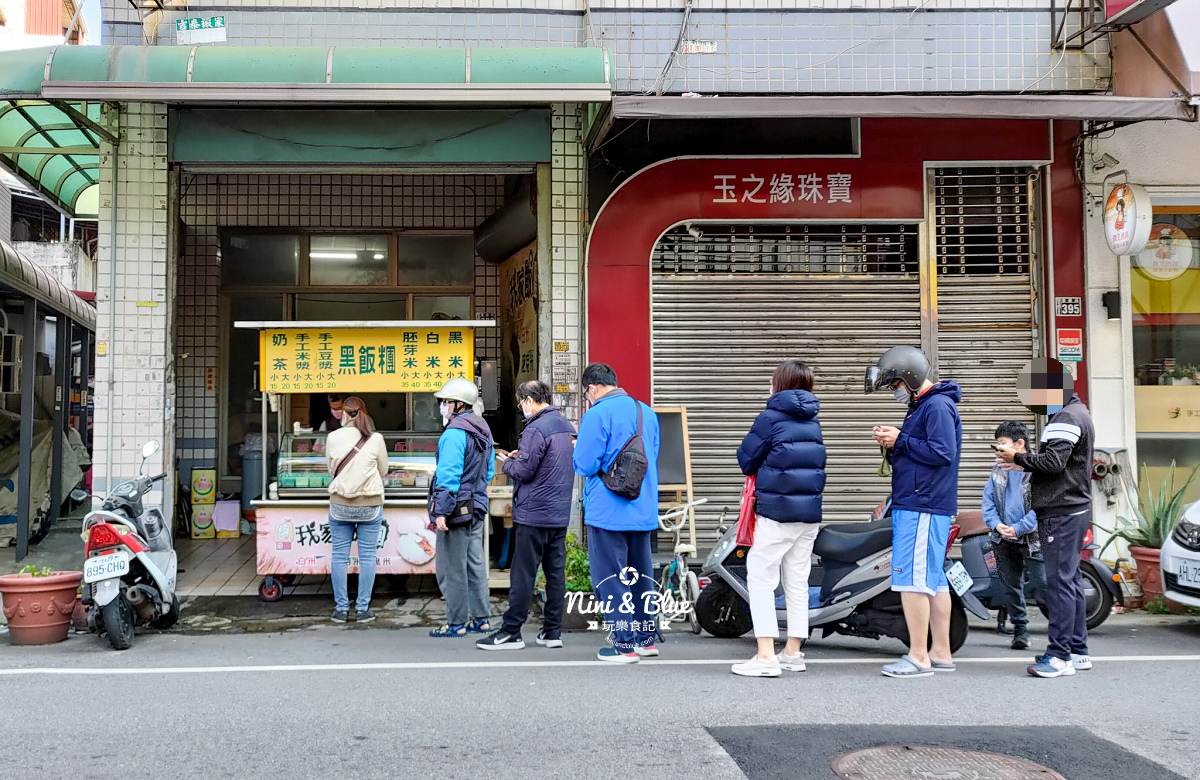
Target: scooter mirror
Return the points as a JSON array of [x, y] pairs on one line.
[[79, 496], [148, 449]]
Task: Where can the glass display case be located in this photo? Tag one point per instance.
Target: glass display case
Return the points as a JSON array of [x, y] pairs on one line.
[[303, 473]]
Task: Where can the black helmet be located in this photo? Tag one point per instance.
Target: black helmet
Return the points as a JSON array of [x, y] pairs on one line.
[[904, 363]]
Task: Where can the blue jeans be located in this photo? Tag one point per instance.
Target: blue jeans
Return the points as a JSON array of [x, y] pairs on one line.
[[623, 593], [342, 532]]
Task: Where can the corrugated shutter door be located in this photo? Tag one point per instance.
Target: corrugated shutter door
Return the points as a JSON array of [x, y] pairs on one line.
[[986, 330], [717, 338]]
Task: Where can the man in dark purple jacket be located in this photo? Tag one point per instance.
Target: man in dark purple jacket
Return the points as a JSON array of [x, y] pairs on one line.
[[543, 479]]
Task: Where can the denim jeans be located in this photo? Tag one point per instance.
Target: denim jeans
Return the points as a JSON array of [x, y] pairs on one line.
[[342, 532], [1013, 562]]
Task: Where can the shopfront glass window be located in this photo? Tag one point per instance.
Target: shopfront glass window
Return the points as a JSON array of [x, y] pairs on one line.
[[242, 407], [442, 307], [436, 260], [348, 260], [1165, 293], [259, 260]]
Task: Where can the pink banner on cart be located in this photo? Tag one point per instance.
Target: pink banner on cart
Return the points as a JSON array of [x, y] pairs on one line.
[[295, 540]]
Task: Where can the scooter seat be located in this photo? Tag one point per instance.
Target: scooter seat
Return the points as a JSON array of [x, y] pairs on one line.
[[850, 542]]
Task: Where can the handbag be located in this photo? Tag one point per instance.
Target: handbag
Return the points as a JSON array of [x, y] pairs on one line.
[[624, 477], [350, 456], [747, 517]]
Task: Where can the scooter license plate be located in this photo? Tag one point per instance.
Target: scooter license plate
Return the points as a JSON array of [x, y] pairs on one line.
[[103, 567], [959, 579]]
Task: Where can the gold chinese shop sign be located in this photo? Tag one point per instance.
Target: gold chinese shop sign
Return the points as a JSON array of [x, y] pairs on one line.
[[364, 360]]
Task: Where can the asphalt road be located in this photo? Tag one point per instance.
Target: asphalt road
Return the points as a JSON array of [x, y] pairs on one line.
[[370, 703]]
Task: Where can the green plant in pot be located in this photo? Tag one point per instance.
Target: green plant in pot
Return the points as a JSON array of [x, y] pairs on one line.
[[1150, 526], [1180, 374], [579, 587], [38, 603]]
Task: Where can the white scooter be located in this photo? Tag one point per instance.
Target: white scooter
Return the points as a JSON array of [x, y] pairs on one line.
[[130, 562]]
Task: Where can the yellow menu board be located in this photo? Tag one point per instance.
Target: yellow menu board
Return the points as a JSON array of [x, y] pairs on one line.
[[364, 360]]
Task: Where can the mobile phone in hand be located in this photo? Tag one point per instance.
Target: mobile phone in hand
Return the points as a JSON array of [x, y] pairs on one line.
[[995, 447]]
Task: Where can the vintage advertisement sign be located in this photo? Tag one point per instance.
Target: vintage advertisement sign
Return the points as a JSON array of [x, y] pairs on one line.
[[1167, 255], [518, 318], [295, 540], [1127, 219], [1070, 345], [365, 360]]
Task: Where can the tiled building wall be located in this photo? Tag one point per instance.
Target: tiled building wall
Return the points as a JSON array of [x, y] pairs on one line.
[[135, 390], [814, 46], [568, 210], [308, 202], [5, 214]]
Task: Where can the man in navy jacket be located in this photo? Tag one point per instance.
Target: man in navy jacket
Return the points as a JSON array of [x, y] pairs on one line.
[[924, 453], [543, 478], [618, 528]]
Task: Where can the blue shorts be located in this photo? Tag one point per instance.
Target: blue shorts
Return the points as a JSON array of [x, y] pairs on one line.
[[919, 552]]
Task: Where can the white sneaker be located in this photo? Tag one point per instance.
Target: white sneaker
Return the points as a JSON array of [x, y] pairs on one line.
[[756, 667], [1081, 663], [791, 663]]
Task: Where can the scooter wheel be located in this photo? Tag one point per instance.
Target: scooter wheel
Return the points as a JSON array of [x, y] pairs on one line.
[[118, 623], [171, 617], [270, 589], [722, 612]]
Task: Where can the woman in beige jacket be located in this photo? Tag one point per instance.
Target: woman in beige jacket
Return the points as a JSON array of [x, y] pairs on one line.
[[358, 460]]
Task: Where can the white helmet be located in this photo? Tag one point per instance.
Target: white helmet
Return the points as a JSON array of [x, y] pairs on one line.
[[459, 389]]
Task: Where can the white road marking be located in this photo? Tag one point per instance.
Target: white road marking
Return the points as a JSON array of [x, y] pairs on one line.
[[401, 666]]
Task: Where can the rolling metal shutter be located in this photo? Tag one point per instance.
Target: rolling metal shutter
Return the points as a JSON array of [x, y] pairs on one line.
[[732, 302], [985, 246]]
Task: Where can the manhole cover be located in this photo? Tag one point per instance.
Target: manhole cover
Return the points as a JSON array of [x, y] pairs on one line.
[[926, 762]]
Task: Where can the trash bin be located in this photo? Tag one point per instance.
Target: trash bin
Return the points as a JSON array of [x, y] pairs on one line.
[[252, 478]]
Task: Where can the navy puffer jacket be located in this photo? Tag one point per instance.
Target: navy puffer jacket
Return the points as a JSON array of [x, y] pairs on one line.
[[784, 448]]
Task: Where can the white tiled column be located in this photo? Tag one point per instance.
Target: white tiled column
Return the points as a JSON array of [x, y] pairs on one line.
[[134, 380], [568, 165]]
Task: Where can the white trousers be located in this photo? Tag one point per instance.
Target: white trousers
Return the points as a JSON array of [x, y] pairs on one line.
[[780, 549]]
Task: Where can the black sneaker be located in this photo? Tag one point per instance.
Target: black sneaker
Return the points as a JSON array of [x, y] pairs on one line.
[[501, 641], [364, 615], [339, 616], [1020, 640], [549, 641]]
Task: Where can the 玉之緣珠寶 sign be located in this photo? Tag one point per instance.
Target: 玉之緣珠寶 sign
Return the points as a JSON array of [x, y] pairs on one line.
[[364, 360]]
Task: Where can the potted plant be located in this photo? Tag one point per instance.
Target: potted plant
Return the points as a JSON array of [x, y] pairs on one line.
[[580, 606], [38, 604], [1180, 374], [1146, 531]]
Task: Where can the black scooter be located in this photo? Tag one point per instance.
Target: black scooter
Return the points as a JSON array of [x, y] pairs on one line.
[[1101, 588]]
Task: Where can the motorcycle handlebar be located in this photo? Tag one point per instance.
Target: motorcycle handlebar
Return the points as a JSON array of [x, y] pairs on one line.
[[160, 476]]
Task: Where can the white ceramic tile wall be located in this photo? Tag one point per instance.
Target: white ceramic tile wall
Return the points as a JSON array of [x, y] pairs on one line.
[[5, 214], [134, 361], [567, 229], [309, 202]]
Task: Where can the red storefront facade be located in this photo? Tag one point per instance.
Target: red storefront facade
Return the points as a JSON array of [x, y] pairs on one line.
[[904, 176]]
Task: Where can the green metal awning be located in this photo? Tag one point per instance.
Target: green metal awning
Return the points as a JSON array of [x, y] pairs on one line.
[[50, 97], [308, 74], [54, 148]]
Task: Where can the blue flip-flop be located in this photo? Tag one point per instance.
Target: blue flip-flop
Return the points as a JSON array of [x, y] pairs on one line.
[[449, 631], [480, 626], [907, 667]]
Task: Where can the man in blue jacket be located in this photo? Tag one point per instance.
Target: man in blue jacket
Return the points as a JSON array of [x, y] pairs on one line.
[[543, 479], [924, 453], [458, 506], [619, 528]]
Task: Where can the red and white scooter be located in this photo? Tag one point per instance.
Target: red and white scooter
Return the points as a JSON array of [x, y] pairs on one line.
[[130, 564]]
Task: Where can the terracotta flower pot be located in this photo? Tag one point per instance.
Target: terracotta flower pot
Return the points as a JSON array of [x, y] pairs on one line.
[[1148, 575], [38, 609]]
